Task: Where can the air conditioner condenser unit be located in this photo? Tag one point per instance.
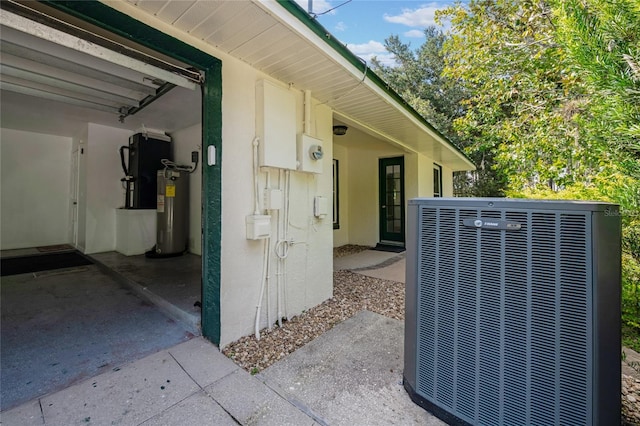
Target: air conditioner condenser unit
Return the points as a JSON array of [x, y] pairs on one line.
[[513, 311]]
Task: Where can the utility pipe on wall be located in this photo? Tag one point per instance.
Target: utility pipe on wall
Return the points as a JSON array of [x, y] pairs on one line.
[[307, 112]]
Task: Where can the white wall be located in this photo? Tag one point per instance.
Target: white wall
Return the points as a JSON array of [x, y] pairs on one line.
[[184, 142], [447, 182], [359, 214], [35, 177], [80, 142], [104, 191], [309, 277]]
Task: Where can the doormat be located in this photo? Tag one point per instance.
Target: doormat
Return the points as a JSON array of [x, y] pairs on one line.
[[42, 262], [57, 247], [389, 248]]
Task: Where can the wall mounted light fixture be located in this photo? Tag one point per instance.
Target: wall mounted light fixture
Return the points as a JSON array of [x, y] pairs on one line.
[[340, 130]]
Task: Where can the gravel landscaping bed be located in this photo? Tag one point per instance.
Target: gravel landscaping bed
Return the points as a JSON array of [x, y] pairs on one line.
[[630, 400], [352, 293]]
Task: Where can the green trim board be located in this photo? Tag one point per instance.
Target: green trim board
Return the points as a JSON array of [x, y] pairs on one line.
[[123, 25], [297, 11]]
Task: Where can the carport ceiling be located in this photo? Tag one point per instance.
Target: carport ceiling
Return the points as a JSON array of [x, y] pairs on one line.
[[46, 63]]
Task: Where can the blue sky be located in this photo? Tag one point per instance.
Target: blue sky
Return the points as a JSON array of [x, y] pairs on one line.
[[363, 25]]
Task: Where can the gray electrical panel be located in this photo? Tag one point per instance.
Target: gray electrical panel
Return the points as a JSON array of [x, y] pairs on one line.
[[513, 311]]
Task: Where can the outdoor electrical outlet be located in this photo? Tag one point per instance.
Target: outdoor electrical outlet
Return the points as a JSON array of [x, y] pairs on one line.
[[194, 156]]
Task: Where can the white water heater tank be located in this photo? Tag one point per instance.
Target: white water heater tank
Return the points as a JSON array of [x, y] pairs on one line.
[[172, 212]]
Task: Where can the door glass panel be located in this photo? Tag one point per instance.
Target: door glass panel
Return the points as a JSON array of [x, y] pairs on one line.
[[390, 225]]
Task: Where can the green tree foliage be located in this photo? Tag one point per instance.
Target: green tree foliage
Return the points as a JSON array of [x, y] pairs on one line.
[[603, 40], [555, 96], [526, 96], [418, 77]]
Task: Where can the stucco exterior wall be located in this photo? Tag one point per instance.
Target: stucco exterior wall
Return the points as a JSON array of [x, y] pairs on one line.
[[447, 182], [341, 235], [359, 220], [307, 278]]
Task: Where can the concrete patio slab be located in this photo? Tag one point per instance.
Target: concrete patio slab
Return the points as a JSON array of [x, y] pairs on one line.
[[395, 271], [202, 361], [364, 259], [352, 375], [25, 414], [257, 404], [197, 409], [130, 395]]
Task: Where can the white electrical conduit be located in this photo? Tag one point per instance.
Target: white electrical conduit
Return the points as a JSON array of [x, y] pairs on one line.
[[287, 198], [267, 244], [307, 112], [268, 260], [256, 142], [265, 268], [279, 265]]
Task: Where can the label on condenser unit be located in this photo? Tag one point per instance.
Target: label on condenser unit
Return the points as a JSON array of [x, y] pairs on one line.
[[490, 223], [160, 203]]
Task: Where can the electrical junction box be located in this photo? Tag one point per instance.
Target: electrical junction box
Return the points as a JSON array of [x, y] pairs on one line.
[[320, 207], [276, 125], [310, 154], [273, 199], [258, 226]]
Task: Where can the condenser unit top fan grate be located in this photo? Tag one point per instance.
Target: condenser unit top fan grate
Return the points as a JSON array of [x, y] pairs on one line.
[[513, 311]]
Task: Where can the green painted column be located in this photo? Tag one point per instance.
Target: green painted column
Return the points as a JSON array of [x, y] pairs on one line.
[[211, 202]]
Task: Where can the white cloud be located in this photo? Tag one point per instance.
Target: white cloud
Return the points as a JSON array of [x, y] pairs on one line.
[[365, 48], [414, 34], [319, 6], [370, 49], [341, 26], [421, 17]]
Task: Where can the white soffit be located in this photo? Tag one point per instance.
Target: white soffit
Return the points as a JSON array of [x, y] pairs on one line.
[[269, 38]]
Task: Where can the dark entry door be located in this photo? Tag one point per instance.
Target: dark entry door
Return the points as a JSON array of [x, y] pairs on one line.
[[391, 176]]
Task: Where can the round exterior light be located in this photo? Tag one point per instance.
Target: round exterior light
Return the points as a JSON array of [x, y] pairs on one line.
[[340, 130]]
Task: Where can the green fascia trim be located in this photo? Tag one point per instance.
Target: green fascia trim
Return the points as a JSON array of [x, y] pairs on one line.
[[102, 15], [121, 24], [325, 35]]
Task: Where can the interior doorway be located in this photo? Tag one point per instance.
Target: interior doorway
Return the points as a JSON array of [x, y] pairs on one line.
[[22, 112]]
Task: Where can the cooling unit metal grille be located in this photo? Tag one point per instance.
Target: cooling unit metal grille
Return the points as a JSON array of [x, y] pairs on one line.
[[504, 302]]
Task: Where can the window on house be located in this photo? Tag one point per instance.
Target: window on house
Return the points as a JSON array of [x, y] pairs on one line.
[[437, 180], [336, 210]]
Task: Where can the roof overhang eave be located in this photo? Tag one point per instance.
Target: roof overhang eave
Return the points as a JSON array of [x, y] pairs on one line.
[[291, 14]]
